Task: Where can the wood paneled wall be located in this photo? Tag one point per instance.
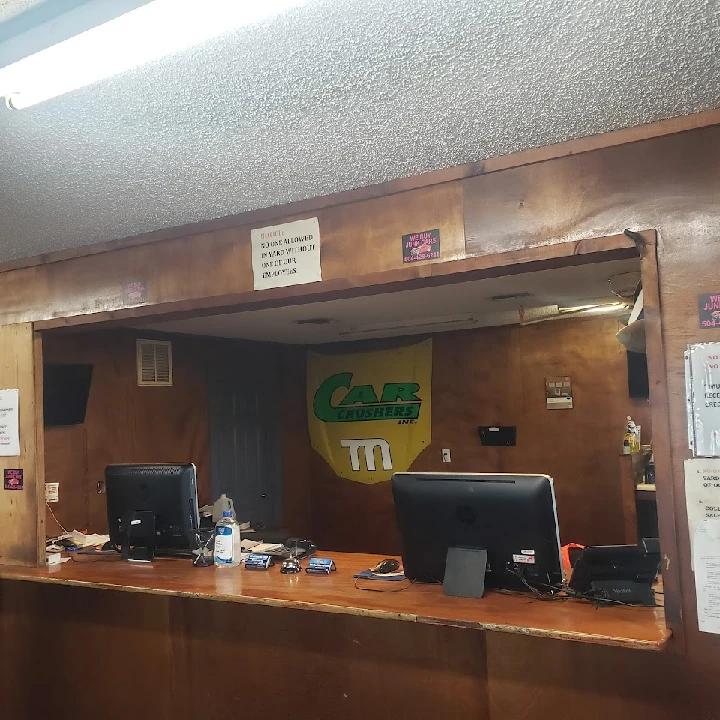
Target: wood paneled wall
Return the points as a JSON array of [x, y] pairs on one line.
[[21, 519], [120, 655], [671, 184], [496, 376], [269, 662], [124, 422], [359, 239]]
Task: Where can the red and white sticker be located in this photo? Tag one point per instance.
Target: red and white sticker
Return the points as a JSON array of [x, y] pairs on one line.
[[526, 559]]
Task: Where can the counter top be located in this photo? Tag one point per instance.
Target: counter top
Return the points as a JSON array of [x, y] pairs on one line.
[[633, 627], [645, 487]]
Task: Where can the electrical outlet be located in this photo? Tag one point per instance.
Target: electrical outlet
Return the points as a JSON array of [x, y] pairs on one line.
[[101, 487], [446, 455]]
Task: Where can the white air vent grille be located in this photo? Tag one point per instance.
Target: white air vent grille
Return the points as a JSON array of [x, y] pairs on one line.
[[154, 362]]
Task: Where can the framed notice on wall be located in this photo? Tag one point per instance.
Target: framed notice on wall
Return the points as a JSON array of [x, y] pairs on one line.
[[287, 254], [558, 393]]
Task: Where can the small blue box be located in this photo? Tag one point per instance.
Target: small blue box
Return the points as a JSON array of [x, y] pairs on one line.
[[256, 561], [320, 566]]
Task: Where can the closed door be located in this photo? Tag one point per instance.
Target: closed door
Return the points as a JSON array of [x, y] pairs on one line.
[[245, 447]]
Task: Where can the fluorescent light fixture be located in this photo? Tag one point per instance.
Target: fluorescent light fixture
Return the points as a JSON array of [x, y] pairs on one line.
[[598, 309], [575, 311], [405, 327], [150, 32]]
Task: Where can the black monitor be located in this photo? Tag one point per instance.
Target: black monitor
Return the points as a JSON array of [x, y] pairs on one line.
[[512, 517], [152, 509], [65, 394]]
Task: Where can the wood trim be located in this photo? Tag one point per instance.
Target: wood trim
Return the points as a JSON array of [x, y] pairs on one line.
[[622, 136], [662, 448], [542, 257], [39, 446], [670, 126], [19, 517], [574, 620]]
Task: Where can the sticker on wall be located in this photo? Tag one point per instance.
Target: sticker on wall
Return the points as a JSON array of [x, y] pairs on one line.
[[135, 293], [9, 423], [13, 479], [287, 254], [423, 245], [558, 393], [709, 310], [369, 413]]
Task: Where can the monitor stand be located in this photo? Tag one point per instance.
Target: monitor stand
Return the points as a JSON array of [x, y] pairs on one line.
[[465, 572], [139, 541]]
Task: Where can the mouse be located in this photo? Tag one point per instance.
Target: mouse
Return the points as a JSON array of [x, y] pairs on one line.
[[384, 567]]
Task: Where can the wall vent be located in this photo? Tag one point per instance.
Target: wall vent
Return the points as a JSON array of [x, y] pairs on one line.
[[154, 363]]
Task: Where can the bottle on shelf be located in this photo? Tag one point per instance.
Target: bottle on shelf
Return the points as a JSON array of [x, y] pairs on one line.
[[630, 437]]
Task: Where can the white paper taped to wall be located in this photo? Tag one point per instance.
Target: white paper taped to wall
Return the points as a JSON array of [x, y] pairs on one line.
[[707, 575], [702, 494], [704, 371], [9, 423]]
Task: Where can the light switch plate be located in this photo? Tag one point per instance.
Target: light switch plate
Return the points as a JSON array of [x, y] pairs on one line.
[[446, 455]]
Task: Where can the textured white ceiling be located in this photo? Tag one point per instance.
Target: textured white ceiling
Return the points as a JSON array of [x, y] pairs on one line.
[[405, 310], [11, 8], [341, 94]]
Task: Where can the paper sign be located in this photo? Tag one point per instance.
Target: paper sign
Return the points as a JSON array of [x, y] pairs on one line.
[[558, 393], [13, 479], [704, 370], [702, 493], [707, 575], [9, 425], [52, 492], [287, 254]]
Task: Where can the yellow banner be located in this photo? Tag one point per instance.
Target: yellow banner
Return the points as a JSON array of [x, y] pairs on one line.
[[369, 413]]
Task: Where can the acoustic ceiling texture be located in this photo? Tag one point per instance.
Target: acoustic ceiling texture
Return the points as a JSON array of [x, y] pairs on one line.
[[340, 94]]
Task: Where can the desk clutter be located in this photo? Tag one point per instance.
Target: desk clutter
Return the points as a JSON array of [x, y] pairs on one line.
[[465, 531]]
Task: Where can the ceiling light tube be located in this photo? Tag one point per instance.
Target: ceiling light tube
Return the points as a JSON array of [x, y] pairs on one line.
[[425, 325], [150, 32]]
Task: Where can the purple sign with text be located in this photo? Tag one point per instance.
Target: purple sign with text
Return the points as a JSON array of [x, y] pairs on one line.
[[13, 479], [421, 246], [709, 310]]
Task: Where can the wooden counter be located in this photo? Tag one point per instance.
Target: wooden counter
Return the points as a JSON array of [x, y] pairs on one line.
[[632, 627]]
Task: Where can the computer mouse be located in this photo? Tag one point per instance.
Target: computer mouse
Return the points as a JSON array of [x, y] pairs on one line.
[[384, 567]]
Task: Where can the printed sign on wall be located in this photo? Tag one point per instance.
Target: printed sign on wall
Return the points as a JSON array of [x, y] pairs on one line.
[[369, 413], [13, 479], [423, 245], [558, 393], [703, 388], [287, 254], [9, 423], [709, 310]]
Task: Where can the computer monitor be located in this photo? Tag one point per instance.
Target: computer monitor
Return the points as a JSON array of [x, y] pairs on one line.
[[153, 503], [512, 517]]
